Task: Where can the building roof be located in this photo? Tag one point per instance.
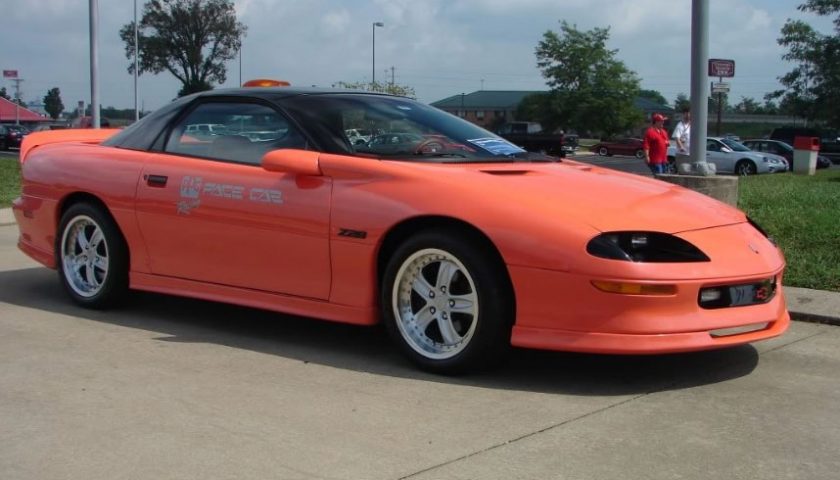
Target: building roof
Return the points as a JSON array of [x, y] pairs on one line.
[[7, 113], [488, 99], [510, 99], [648, 105]]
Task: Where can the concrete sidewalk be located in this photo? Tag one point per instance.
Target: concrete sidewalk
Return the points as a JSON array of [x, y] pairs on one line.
[[6, 217], [804, 304]]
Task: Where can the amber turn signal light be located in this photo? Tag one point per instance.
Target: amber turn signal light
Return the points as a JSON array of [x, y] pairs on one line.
[[627, 288]]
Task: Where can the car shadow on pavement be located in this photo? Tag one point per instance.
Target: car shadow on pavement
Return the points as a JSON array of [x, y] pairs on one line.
[[369, 350]]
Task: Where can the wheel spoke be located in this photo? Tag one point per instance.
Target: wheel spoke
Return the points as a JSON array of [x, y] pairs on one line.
[[463, 303], [447, 331], [90, 277], [81, 239], [421, 286], [423, 318], [96, 238], [445, 274], [101, 263]]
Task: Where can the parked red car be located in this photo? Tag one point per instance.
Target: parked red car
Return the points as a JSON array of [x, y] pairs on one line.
[[620, 146], [11, 136]]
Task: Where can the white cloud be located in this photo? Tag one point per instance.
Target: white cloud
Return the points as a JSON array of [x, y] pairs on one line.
[[336, 22]]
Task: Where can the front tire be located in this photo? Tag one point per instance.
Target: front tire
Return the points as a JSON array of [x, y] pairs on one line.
[[603, 151], [640, 154], [92, 256], [745, 167], [446, 303]]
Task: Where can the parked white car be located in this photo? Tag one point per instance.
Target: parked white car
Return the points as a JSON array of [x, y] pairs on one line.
[[730, 156], [358, 136]]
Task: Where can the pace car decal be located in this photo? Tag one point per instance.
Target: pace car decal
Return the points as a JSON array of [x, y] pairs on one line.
[[192, 188]]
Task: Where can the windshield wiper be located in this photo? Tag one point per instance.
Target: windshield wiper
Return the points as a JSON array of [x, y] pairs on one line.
[[440, 154], [535, 157]]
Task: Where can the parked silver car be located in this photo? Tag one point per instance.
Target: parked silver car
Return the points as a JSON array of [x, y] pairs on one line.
[[730, 156]]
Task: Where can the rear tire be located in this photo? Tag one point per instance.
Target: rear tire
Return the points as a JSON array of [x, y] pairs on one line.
[[603, 151], [447, 303], [92, 256], [640, 154]]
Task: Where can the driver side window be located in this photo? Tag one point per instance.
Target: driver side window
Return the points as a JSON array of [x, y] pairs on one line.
[[712, 146]]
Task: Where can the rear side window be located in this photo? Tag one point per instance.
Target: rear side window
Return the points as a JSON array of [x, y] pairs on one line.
[[232, 131]]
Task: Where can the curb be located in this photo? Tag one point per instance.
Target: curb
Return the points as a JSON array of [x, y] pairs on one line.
[[814, 318]]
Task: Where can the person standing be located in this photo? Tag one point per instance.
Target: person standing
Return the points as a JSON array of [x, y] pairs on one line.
[[682, 135], [655, 145]]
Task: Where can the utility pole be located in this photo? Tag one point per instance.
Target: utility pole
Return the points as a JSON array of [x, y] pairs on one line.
[[17, 99], [699, 84], [136, 53], [719, 108]]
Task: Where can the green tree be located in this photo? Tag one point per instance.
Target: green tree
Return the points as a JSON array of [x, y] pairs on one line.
[[540, 107], [812, 88], [590, 88], [748, 105], [724, 101], [653, 96], [681, 102], [390, 88], [191, 39], [770, 107], [52, 103], [3, 94]]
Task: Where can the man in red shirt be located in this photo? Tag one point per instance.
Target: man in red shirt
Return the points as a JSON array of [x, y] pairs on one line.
[[655, 145]]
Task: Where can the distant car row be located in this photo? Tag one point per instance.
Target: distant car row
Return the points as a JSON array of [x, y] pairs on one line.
[[729, 156]]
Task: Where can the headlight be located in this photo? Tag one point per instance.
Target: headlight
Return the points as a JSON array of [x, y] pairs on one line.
[[652, 247], [761, 230]]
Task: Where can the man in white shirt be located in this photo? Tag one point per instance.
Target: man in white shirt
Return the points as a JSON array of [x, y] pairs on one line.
[[682, 135]]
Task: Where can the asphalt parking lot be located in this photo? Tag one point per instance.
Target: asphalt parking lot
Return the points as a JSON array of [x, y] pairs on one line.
[[175, 388]]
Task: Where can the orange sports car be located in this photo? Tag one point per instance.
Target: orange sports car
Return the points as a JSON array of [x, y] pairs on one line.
[[461, 252]]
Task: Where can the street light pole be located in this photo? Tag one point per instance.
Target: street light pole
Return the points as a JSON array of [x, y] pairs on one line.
[[94, 62], [373, 66]]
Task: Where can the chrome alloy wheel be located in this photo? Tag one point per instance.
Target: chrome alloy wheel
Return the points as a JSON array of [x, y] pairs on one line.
[[84, 256], [435, 304]]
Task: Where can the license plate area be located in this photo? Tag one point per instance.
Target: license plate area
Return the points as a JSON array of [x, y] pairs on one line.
[[739, 295]]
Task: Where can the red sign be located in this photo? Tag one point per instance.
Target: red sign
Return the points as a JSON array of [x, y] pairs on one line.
[[9, 73], [721, 68]]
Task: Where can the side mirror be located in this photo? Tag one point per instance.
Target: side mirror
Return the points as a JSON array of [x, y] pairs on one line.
[[726, 150], [298, 162]]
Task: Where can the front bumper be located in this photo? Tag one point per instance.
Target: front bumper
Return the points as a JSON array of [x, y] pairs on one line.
[[563, 311]]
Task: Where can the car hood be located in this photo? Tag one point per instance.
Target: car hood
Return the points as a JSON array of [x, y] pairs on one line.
[[605, 199]]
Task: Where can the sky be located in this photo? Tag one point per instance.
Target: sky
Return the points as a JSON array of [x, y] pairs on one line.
[[438, 47]]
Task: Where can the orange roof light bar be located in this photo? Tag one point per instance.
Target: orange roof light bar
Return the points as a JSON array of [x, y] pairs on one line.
[[266, 82]]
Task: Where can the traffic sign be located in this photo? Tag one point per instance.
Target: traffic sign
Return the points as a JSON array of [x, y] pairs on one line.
[[720, 87], [721, 68]]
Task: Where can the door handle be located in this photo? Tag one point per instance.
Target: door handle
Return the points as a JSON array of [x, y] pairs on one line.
[[158, 181]]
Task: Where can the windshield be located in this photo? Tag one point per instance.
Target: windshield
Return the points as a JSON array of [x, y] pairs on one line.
[[736, 146], [398, 128]]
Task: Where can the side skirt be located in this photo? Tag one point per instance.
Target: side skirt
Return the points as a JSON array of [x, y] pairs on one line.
[[306, 307]]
